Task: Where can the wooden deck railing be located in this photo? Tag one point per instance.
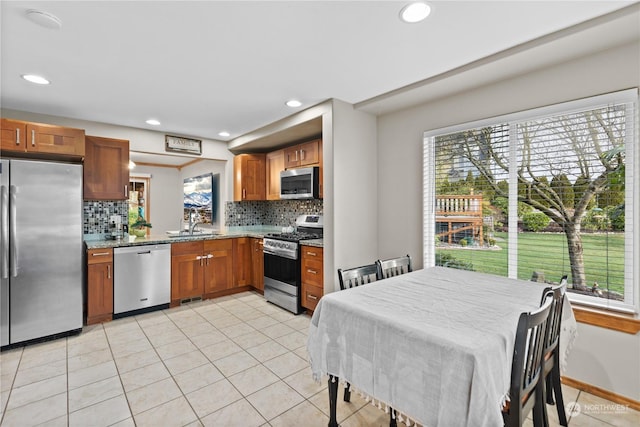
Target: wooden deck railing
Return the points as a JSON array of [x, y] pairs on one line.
[[463, 212]]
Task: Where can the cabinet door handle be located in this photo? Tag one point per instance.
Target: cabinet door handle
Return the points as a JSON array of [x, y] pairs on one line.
[[33, 137], [244, 193], [313, 297], [100, 254], [17, 136], [302, 157], [109, 271], [312, 253], [126, 191], [311, 271], [296, 155]]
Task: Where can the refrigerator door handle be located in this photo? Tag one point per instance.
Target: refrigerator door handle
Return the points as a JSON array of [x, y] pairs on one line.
[[13, 233], [4, 208]]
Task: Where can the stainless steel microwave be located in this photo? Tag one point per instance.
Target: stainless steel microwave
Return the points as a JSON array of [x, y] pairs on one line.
[[301, 183]]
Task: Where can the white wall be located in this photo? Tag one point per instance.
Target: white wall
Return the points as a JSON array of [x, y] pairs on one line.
[[352, 209], [613, 366]]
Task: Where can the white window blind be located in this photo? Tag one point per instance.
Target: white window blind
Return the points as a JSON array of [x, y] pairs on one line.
[[555, 191]]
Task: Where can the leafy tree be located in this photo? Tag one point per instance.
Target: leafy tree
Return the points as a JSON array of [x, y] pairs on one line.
[[580, 186], [592, 149], [561, 185], [543, 182], [613, 195]]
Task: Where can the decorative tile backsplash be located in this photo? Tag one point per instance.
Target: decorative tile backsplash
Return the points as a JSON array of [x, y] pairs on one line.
[[96, 215], [282, 213]]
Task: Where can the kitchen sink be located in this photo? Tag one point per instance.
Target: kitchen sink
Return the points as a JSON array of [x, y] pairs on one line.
[[185, 233]]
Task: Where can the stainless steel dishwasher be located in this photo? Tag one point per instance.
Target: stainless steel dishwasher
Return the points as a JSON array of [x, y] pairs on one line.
[[141, 279]]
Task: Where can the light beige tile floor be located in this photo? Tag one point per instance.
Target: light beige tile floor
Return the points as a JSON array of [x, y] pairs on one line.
[[232, 361]]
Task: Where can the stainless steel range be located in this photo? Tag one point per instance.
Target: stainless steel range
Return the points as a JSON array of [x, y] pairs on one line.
[[282, 284]]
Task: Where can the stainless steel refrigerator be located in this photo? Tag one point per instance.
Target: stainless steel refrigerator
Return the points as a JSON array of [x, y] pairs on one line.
[[41, 291]]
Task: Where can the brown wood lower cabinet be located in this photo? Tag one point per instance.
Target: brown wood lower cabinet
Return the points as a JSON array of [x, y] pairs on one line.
[[257, 264], [186, 271], [312, 276], [99, 285], [218, 265], [242, 262], [201, 269]]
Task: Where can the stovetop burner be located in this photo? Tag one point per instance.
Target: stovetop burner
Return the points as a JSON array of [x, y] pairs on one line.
[[295, 236]]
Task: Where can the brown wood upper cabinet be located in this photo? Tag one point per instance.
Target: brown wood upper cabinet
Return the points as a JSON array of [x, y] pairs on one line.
[[106, 168], [275, 165], [305, 154], [249, 172], [37, 138]]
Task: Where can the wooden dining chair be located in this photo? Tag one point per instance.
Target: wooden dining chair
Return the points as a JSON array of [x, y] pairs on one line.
[[393, 267], [551, 353], [527, 386], [352, 277]]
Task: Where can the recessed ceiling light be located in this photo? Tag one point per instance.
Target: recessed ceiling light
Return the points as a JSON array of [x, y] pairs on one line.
[[132, 165], [153, 122], [35, 79], [224, 133], [44, 19], [415, 12], [293, 103]]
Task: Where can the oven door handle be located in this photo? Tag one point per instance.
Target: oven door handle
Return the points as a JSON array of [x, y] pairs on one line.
[[278, 254]]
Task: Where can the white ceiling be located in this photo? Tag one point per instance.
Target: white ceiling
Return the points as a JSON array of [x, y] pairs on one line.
[[202, 67]]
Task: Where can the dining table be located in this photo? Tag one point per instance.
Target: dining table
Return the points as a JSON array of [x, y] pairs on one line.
[[434, 344]]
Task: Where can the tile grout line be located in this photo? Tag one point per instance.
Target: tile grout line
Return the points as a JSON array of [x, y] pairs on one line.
[[124, 392]]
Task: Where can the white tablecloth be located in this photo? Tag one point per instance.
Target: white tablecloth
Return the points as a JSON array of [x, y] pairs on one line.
[[435, 344]]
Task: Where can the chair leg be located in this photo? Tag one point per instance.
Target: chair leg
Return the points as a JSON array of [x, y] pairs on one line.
[[539, 419], [542, 398], [392, 418], [557, 391], [549, 388], [333, 400], [347, 393]]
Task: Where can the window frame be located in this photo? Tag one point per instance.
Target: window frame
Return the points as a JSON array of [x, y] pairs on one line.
[[631, 303]]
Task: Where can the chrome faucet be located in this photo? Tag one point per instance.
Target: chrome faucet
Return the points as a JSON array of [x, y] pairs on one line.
[[194, 220]]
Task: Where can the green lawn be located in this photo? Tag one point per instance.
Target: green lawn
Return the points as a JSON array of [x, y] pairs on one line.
[[547, 253]]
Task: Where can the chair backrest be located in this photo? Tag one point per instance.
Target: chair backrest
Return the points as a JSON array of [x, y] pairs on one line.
[[526, 367], [357, 276], [393, 267], [552, 338]]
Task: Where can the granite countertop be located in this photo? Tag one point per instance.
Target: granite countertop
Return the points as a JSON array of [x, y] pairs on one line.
[[232, 232], [318, 243]]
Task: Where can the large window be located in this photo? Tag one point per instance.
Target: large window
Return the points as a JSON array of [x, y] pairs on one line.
[[539, 195]]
